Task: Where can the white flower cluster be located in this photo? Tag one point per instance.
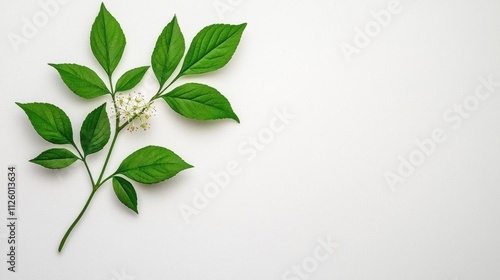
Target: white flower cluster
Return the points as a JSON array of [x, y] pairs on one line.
[[134, 110]]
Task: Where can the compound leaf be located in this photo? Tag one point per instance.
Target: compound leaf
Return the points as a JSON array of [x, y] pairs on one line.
[[81, 80], [125, 193], [50, 122], [95, 131], [55, 158], [152, 164], [199, 102], [131, 78], [107, 40], [212, 48], [168, 51]]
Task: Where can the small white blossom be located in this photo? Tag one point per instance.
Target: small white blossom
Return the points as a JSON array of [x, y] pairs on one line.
[[134, 110]]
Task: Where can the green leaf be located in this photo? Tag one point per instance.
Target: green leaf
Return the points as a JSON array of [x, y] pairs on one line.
[[50, 122], [107, 40], [152, 164], [131, 78], [168, 51], [199, 102], [81, 80], [125, 193], [95, 131], [55, 158], [212, 48]]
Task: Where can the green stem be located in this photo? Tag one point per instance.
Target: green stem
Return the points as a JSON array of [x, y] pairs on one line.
[[117, 130], [82, 158], [100, 181], [107, 178], [111, 85], [95, 186], [88, 171], [68, 232], [162, 91]]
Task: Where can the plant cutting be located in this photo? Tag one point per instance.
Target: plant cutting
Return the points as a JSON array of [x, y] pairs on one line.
[[210, 49]]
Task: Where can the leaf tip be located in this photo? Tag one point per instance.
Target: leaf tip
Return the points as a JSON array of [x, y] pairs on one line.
[[22, 105]]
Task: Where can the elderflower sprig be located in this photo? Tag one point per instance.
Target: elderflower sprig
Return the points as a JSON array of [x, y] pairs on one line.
[[151, 164]]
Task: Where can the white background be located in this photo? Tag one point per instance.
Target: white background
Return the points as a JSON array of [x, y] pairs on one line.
[[321, 176]]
